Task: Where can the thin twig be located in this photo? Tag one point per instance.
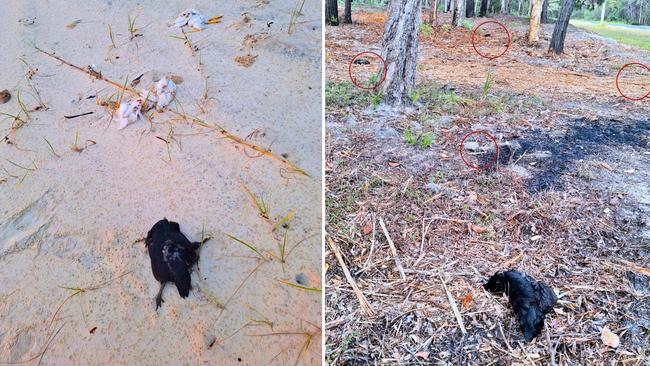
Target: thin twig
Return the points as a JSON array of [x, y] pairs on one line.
[[398, 262]]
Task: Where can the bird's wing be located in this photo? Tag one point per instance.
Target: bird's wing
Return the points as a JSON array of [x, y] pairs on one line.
[[173, 258], [545, 297]]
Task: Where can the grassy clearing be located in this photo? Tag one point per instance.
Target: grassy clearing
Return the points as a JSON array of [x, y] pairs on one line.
[[633, 37], [345, 94]]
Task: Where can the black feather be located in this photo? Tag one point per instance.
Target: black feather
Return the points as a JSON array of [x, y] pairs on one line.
[[172, 257], [531, 300]]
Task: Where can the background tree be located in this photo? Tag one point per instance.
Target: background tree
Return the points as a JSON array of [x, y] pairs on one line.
[[348, 12], [602, 13], [400, 51], [332, 12], [559, 32], [535, 15], [544, 18], [458, 12], [433, 12], [484, 7], [470, 6]]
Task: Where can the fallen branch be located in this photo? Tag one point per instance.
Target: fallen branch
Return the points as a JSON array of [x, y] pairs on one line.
[[398, 262], [365, 306], [459, 318]]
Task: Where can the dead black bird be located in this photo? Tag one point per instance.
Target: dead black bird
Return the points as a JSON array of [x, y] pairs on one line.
[[361, 61], [531, 300], [172, 257]]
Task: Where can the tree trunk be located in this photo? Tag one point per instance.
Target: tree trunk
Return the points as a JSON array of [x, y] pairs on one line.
[[348, 12], [448, 5], [458, 12], [559, 33], [332, 12], [484, 6], [519, 8], [545, 12], [433, 12], [470, 10], [535, 15], [400, 51], [602, 13]]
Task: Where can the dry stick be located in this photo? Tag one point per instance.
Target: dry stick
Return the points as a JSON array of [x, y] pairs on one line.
[[365, 306], [398, 262], [459, 318], [372, 243], [200, 122], [551, 350]]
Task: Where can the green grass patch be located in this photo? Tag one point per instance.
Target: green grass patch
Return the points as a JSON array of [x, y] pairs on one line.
[[633, 37]]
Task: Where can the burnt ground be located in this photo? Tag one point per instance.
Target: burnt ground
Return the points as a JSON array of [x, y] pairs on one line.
[[567, 202]]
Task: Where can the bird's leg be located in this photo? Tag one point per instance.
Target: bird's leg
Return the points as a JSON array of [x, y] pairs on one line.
[[214, 20], [159, 299]]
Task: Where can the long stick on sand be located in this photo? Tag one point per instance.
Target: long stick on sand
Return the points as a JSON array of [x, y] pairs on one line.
[[200, 122]]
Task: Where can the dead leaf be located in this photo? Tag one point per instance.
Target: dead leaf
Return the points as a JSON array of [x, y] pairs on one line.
[[422, 354], [609, 338], [367, 229], [466, 300], [478, 229], [393, 164], [4, 96], [246, 60]]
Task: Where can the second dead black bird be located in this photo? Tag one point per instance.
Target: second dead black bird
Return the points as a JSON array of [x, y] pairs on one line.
[[531, 300], [172, 257]]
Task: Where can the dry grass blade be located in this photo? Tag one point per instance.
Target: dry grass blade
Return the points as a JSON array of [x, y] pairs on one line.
[[111, 36], [365, 306], [312, 289], [297, 11], [262, 207], [247, 245], [398, 262]]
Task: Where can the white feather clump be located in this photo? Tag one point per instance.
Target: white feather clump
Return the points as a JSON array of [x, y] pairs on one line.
[[129, 112], [165, 93], [191, 17]]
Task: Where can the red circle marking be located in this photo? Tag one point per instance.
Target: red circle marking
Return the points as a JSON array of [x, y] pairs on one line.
[[355, 82], [479, 167], [619, 74], [474, 42]]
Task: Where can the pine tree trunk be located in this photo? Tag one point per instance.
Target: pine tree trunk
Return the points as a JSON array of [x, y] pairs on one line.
[[470, 10], [332, 12], [535, 15], [433, 12], [544, 17], [519, 8], [348, 12], [602, 13], [400, 51], [458, 12], [506, 6], [559, 32], [484, 6]]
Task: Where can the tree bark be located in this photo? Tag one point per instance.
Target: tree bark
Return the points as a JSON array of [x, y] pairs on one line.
[[535, 15], [448, 5], [458, 12], [433, 12], [484, 6], [559, 32], [470, 11], [506, 7], [400, 51], [348, 12], [332, 12], [544, 17]]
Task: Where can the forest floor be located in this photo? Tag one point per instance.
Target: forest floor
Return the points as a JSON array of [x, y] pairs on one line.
[[567, 200]]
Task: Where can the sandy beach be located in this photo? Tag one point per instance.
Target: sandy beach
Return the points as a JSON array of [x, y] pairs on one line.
[[77, 194]]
